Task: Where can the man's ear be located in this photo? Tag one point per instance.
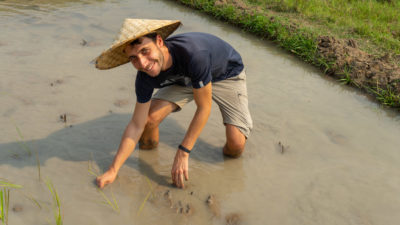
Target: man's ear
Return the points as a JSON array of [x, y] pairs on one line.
[[159, 41]]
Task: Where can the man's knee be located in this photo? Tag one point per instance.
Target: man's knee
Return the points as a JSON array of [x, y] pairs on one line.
[[234, 149], [153, 120], [159, 109], [235, 141]]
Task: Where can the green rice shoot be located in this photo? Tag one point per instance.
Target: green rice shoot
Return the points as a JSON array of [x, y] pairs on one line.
[[32, 199], [4, 183], [146, 198], [112, 204], [22, 143], [56, 203], [4, 205], [91, 170], [38, 165]]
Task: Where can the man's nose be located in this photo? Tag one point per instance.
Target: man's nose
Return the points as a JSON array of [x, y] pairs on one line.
[[142, 62]]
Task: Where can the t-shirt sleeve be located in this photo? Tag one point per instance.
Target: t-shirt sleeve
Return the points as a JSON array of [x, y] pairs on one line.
[[200, 67], [143, 88]]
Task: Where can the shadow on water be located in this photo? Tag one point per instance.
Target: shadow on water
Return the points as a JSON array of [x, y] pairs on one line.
[[98, 140]]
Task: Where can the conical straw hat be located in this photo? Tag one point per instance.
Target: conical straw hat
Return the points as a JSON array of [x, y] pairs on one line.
[[131, 30]]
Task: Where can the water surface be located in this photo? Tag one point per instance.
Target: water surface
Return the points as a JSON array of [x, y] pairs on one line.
[[340, 163]]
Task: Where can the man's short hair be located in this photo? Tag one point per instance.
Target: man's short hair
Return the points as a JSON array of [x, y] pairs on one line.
[[152, 36]]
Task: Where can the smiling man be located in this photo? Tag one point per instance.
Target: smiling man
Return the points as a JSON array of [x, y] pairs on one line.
[[184, 67]]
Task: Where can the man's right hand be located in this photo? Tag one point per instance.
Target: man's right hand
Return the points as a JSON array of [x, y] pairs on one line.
[[107, 178]]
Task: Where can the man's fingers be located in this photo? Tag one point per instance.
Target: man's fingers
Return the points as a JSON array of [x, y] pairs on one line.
[[98, 181], [186, 174], [177, 178], [181, 180]]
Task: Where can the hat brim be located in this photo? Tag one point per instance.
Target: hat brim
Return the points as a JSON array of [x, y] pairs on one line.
[[115, 56]]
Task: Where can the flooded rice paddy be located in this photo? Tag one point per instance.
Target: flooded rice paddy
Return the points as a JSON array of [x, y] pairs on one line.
[[319, 153]]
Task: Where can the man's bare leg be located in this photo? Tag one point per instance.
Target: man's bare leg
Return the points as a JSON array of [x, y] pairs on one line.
[[159, 109], [235, 141]]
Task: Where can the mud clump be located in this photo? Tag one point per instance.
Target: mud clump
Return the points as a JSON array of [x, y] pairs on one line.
[[57, 82], [168, 197], [233, 219], [17, 208], [121, 102], [354, 66], [213, 205]]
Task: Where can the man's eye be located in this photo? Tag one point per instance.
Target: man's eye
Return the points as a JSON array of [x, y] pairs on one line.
[[145, 51]]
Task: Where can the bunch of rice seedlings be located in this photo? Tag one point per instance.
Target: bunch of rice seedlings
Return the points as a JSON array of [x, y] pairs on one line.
[[5, 198], [56, 203], [91, 170], [112, 204], [146, 198]]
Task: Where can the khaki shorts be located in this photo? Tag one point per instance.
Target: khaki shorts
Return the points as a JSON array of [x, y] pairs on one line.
[[229, 94]]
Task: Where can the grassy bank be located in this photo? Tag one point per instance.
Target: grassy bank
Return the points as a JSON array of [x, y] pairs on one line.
[[345, 38]]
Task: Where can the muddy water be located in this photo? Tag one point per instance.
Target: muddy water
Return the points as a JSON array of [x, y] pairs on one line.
[[319, 153]]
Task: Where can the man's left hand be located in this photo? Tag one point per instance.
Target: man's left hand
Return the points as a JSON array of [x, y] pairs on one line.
[[180, 168]]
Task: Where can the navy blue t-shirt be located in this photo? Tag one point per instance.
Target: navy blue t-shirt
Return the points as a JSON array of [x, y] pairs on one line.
[[197, 59]]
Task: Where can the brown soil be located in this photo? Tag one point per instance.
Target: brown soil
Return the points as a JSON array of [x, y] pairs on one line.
[[348, 62], [364, 69]]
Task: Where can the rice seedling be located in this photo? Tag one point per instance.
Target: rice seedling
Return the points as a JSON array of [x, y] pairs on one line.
[[91, 170], [112, 204], [4, 205], [32, 199], [22, 143], [4, 183], [56, 202], [146, 198], [38, 165]]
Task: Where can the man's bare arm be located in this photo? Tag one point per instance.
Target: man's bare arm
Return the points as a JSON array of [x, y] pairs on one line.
[[128, 142], [203, 100]]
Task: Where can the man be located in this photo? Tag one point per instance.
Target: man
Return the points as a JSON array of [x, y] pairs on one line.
[[187, 66]]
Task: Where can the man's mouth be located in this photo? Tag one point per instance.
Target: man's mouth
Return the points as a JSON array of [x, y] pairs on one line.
[[149, 67]]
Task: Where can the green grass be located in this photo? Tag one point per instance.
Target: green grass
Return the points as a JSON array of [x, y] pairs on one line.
[[295, 25], [386, 96], [346, 76], [377, 21]]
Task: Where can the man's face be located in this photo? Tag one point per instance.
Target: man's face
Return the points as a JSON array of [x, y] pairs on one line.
[[146, 56]]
